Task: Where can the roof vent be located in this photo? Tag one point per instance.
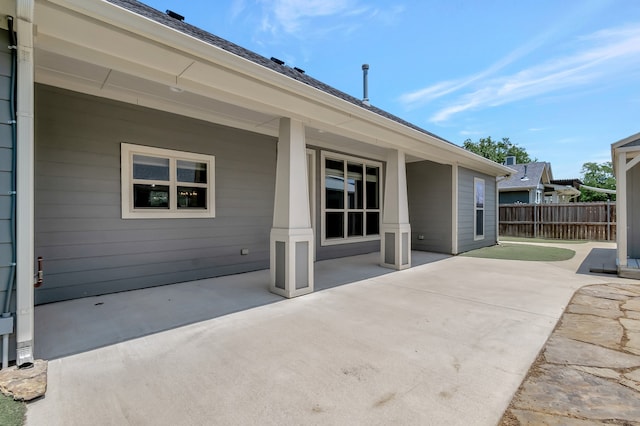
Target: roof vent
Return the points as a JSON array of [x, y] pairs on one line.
[[365, 84], [175, 15], [510, 160], [300, 70], [277, 61]]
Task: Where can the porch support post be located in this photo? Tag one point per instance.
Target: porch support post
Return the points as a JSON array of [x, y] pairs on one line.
[[24, 184], [291, 242], [395, 241], [621, 209]]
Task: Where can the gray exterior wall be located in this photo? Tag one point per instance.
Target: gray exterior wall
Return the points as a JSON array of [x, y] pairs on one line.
[[466, 211], [512, 197], [89, 250], [633, 207], [429, 187], [338, 250], [6, 153]]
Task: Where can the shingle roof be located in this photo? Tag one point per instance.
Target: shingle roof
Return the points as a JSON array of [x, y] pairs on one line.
[[162, 18], [534, 173]]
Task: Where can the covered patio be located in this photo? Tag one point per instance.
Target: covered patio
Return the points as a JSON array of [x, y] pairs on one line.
[[75, 326]]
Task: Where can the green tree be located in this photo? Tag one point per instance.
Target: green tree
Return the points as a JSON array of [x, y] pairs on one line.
[[498, 151], [598, 175]]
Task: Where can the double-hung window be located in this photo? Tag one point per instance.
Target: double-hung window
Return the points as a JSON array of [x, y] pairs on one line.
[[351, 199], [478, 195], [162, 183]]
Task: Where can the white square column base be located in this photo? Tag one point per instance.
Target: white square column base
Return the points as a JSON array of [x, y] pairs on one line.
[[395, 246], [291, 261]]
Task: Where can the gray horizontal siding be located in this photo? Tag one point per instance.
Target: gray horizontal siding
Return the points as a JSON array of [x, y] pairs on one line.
[[633, 207], [6, 154], [512, 197], [466, 212], [89, 250], [429, 194]]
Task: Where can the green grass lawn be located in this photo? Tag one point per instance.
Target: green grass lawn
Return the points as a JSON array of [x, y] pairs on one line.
[[11, 412], [508, 251], [541, 240]]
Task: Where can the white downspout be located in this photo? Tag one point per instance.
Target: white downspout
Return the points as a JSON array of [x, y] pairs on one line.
[[25, 184]]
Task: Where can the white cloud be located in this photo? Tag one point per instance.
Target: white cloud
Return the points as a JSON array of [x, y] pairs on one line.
[[298, 17], [471, 132], [602, 55]]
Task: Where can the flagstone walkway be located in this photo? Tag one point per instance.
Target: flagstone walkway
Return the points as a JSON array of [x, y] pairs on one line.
[[588, 373]]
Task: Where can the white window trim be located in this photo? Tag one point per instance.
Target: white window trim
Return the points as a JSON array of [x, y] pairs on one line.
[[477, 237], [347, 240], [126, 160]]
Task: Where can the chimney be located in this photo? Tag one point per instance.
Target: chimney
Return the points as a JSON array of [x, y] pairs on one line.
[[510, 160], [365, 82]]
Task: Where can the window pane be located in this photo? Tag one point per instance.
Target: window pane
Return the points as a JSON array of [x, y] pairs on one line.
[[151, 196], [334, 225], [480, 194], [479, 223], [354, 186], [373, 223], [150, 168], [355, 224], [334, 184], [191, 171], [373, 188], [192, 198]]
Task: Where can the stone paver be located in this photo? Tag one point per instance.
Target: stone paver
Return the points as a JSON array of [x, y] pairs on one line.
[[600, 331], [589, 371], [24, 384]]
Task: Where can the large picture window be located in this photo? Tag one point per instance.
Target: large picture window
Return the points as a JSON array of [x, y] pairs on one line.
[[351, 199], [162, 183], [478, 196]]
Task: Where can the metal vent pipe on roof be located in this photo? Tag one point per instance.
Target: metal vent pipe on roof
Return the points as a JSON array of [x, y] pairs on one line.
[[365, 83]]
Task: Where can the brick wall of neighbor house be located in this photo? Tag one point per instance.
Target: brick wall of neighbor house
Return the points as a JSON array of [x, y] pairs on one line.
[[466, 213], [429, 193], [88, 249], [513, 197], [5, 164], [633, 207]]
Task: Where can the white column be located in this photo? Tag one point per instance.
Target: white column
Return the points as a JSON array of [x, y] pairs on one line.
[[292, 242], [24, 184], [621, 208], [395, 241]]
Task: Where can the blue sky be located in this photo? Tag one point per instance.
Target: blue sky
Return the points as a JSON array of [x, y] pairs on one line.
[[560, 78]]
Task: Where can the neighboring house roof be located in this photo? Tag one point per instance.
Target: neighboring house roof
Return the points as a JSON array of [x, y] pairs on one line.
[[299, 75], [631, 143], [537, 173], [575, 182]]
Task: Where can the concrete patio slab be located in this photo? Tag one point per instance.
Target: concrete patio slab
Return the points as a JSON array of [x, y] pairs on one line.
[[447, 342]]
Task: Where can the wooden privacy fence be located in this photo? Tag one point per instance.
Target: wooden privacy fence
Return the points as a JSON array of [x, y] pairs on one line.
[[572, 221]]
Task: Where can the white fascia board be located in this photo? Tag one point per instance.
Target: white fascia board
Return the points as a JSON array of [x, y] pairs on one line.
[[354, 118], [625, 141]]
